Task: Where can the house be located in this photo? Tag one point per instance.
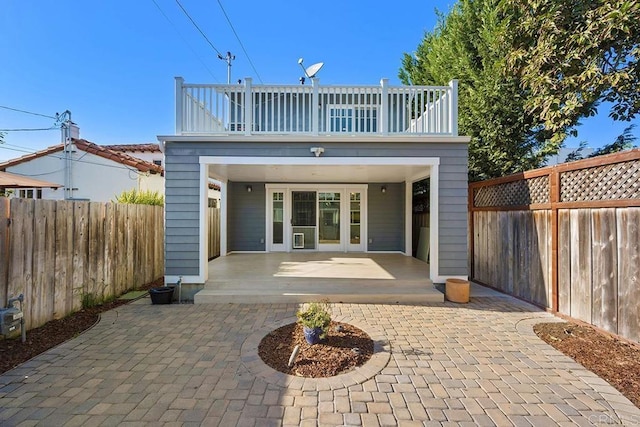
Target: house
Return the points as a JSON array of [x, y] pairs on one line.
[[86, 171], [314, 168]]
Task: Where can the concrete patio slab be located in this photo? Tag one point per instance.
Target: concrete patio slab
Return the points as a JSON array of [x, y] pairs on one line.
[[437, 364], [299, 277]]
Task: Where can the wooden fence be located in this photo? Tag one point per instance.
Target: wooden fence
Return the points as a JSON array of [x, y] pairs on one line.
[[213, 241], [58, 252], [565, 238]]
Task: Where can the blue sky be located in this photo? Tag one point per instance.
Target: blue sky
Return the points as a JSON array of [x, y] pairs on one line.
[[112, 63]]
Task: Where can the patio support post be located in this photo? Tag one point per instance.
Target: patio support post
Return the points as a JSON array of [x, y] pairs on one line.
[[179, 102], [384, 107], [204, 221], [224, 194], [315, 103], [408, 218], [248, 107], [453, 108]]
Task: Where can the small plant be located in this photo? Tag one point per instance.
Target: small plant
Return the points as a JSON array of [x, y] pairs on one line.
[[316, 316], [90, 300], [136, 197]]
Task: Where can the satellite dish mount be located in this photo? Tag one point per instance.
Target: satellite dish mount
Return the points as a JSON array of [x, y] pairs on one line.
[[309, 72]]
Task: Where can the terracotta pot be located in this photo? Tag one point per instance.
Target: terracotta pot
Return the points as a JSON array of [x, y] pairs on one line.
[[457, 290]]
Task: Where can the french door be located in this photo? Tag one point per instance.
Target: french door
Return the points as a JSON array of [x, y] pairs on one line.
[[328, 218]]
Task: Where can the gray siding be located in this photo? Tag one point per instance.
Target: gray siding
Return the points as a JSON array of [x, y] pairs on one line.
[[246, 217], [182, 173], [386, 217], [182, 230]]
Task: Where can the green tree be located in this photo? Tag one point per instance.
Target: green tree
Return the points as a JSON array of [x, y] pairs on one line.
[[625, 141], [573, 54], [471, 44]]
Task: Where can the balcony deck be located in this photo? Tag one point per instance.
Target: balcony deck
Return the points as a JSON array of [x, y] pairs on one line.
[[247, 109]]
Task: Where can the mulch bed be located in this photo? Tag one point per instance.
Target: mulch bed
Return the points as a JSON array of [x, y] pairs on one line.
[[332, 356], [14, 352], [612, 359]]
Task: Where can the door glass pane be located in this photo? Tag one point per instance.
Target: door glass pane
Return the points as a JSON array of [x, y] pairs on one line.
[[278, 218], [304, 208], [354, 218], [329, 209], [303, 219]]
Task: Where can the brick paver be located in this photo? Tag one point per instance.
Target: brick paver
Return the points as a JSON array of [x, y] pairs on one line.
[[435, 364]]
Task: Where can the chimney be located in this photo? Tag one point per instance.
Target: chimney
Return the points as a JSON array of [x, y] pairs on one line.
[[74, 131]]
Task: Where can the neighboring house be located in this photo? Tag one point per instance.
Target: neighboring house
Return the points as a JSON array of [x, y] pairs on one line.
[[314, 168], [148, 152], [86, 172]]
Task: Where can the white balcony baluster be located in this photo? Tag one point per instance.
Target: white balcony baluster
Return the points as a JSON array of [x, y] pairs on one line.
[[314, 109]]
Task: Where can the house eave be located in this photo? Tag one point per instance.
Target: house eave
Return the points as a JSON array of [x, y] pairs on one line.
[[279, 138]]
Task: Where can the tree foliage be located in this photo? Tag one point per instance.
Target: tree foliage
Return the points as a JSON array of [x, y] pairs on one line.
[[136, 197], [528, 71], [625, 141], [573, 54], [471, 44]]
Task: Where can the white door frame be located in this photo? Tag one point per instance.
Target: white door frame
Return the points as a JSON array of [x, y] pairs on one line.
[[343, 189]]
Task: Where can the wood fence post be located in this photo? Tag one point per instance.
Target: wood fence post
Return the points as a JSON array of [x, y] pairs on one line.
[[5, 256], [554, 198]]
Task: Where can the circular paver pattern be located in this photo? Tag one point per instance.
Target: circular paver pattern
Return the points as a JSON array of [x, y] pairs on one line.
[[379, 359]]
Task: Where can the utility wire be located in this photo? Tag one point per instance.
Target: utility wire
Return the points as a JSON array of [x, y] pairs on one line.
[[198, 28], [185, 40], [239, 41], [28, 129], [28, 151], [28, 112]]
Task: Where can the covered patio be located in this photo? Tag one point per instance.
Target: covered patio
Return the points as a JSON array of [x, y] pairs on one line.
[[310, 276]]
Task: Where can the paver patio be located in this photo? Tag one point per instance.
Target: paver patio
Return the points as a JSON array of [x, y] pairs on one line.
[[438, 364]]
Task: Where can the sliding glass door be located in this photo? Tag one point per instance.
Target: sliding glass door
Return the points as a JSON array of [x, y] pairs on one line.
[[329, 218], [329, 235]]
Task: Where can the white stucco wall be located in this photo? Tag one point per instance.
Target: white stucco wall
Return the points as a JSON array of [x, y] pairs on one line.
[[146, 156], [151, 182], [92, 177]]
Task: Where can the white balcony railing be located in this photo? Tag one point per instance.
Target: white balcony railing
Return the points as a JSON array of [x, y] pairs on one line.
[[316, 110]]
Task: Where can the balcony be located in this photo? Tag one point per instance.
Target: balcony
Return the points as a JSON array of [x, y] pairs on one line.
[[247, 109]]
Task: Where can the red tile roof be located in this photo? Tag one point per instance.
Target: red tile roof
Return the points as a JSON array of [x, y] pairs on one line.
[[90, 147], [137, 148]]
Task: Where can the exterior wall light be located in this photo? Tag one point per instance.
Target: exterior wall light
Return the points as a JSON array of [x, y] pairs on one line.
[[383, 189], [249, 189]]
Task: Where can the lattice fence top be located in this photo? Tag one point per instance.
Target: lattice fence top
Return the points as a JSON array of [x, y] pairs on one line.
[[516, 193], [608, 182]]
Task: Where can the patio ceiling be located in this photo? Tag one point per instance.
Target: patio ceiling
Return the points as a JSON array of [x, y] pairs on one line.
[[317, 173]]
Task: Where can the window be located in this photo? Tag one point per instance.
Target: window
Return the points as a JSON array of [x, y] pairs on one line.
[[353, 119], [30, 193], [157, 162]]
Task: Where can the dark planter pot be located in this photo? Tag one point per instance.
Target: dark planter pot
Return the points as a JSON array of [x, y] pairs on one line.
[[312, 335], [162, 295]]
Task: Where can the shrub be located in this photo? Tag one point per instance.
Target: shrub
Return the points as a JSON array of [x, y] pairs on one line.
[[135, 197]]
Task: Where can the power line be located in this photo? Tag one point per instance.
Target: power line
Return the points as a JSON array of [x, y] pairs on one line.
[[239, 41], [28, 129], [28, 112], [28, 151], [185, 41], [198, 28]]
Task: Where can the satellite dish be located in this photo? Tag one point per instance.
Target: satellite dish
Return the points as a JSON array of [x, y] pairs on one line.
[[312, 70]]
